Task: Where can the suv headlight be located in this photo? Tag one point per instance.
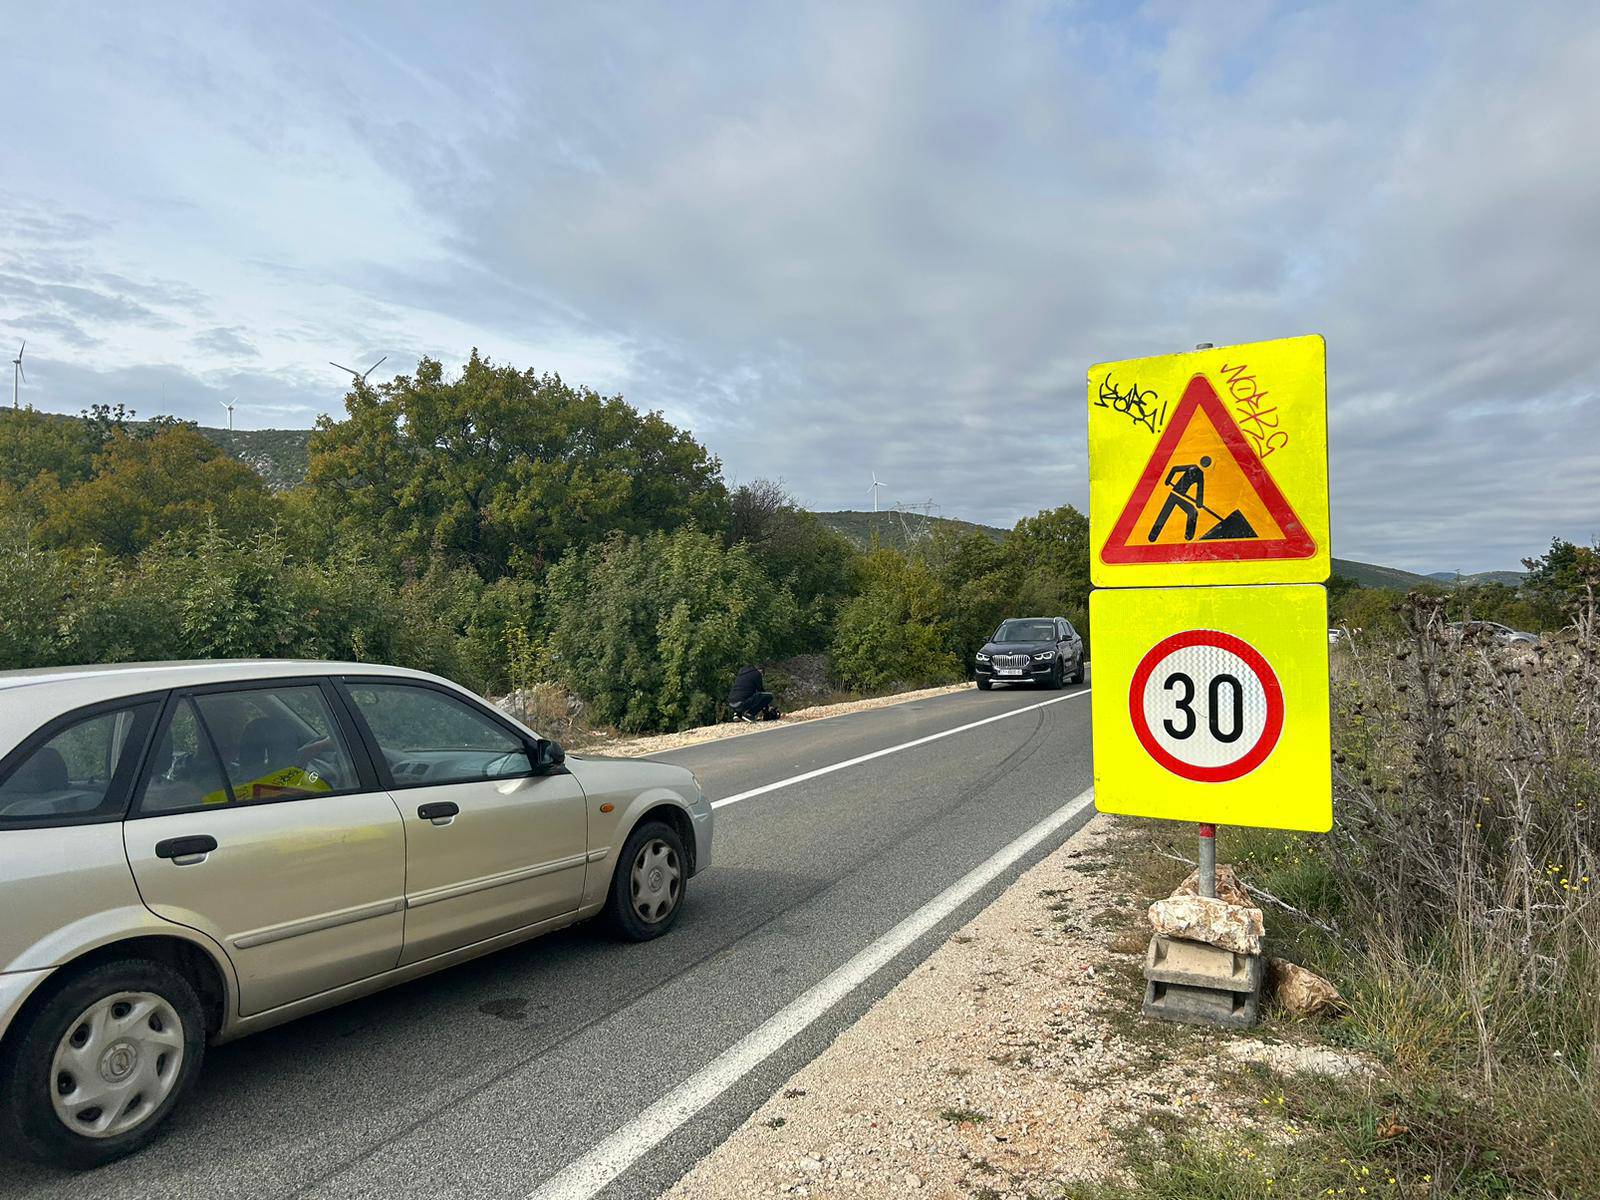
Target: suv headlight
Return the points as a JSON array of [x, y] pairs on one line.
[[982, 657], [1044, 656]]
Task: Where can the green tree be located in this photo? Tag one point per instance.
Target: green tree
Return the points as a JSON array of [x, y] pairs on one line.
[[1564, 576], [797, 550], [505, 470], [1374, 612], [148, 484], [1050, 554], [34, 443]]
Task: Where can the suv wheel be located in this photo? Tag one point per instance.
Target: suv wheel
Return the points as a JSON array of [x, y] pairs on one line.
[[983, 684], [91, 1074], [1077, 675], [647, 888], [1057, 674]]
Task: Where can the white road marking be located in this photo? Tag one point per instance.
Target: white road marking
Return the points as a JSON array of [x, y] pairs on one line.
[[921, 741], [584, 1177]]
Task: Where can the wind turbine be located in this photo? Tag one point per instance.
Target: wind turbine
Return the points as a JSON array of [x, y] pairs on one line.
[[876, 484], [229, 406], [360, 377], [18, 377]]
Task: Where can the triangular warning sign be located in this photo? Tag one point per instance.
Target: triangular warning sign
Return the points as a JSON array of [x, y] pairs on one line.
[[1205, 496]]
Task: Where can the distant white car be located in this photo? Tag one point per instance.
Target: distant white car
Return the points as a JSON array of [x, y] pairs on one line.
[[1503, 634]]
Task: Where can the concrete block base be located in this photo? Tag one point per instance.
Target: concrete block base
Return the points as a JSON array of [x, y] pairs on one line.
[[1201, 984]]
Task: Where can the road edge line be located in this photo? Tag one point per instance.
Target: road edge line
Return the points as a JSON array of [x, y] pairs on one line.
[[738, 797], [585, 1177]]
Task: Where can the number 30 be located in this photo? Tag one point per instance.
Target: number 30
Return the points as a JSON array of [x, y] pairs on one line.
[[1185, 704]]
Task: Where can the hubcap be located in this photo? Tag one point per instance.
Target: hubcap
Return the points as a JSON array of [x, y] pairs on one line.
[[657, 881], [116, 1063]]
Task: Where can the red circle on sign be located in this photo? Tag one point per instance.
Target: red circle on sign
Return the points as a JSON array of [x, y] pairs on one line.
[[1271, 689]]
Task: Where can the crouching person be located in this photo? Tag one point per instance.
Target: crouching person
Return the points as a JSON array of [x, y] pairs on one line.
[[749, 698]]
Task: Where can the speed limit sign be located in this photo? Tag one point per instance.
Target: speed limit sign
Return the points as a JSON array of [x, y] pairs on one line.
[[1206, 705], [1211, 704]]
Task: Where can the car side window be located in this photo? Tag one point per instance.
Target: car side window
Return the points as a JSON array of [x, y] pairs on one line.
[[278, 743], [74, 775], [184, 772], [428, 737]]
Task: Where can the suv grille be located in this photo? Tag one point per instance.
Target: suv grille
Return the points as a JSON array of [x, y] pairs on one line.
[[1010, 660]]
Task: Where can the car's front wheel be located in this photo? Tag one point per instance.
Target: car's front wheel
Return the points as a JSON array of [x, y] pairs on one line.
[[1077, 674], [647, 887], [983, 684], [1056, 676], [91, 1074]]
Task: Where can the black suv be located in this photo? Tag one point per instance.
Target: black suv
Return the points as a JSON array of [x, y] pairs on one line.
[[1043, 650]]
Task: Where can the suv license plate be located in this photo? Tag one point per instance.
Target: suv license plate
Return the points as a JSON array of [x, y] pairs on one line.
[[1011, 670]]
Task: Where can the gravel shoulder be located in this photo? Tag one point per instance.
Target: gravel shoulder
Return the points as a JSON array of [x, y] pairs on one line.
[[643, 747], [1011, 1063]]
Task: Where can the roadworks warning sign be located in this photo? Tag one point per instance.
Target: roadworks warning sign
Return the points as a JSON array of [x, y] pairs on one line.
[[1210, 467]]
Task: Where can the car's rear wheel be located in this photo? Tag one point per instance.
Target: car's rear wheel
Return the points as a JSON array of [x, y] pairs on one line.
[[647, 887], [92, 1073], [984, 685]]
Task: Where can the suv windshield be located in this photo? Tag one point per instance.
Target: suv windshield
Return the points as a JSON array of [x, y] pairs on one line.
[[1026, 631]]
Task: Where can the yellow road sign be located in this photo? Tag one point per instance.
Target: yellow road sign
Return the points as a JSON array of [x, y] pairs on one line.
[[1211, 705], [1210, 467]]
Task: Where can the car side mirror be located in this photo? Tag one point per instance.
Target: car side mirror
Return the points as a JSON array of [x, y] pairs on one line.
[[548, 756]]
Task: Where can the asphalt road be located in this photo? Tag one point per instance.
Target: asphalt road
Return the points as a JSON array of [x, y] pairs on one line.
[[488, 1079]]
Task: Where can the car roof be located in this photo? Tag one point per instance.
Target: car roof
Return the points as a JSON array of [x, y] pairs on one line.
[[29, 698]]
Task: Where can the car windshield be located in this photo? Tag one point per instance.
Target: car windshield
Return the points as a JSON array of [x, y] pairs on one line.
[[1026, 631]]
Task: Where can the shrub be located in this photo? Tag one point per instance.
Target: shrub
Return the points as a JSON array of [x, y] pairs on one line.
[[894, 632], [650, 631]]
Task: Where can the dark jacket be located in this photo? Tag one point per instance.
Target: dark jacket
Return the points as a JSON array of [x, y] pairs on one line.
[[746, 685]]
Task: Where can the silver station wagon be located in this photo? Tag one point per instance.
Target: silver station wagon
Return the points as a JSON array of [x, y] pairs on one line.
[[190, 852]]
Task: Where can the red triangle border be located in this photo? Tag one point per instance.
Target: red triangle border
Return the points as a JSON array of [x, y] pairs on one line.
[[1297, 541]]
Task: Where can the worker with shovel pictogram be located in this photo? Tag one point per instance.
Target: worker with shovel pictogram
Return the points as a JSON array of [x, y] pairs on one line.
[[1187, 483]]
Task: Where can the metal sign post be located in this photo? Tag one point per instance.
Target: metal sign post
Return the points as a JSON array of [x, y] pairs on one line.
[[1208, 861]]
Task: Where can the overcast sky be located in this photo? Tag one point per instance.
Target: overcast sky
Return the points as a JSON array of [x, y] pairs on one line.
[[838, 239]]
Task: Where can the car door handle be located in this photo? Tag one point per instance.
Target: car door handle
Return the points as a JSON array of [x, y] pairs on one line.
[[439, 810], [199, 844]]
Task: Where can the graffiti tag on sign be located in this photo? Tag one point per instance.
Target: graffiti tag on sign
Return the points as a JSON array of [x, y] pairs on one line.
[[1260, 424], [1136, 403]]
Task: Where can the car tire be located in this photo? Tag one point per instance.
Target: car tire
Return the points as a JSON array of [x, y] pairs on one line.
[[650, 878], [1078, 675], [1057, 675], [146, 1014], [984, 685]]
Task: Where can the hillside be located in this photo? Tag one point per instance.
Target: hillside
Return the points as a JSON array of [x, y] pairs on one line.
[[278, 455], [896, 529], [1508, 578], [892, 529], [1373, 576]]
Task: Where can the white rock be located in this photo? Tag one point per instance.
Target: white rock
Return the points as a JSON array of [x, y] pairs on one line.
[[1215, 922]]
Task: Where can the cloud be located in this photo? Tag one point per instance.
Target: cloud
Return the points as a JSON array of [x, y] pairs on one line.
[[844, 239], [226, 342]]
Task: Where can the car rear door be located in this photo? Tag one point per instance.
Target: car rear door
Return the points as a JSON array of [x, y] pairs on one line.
[[491, 844], [259, 821], [1071, 643]]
